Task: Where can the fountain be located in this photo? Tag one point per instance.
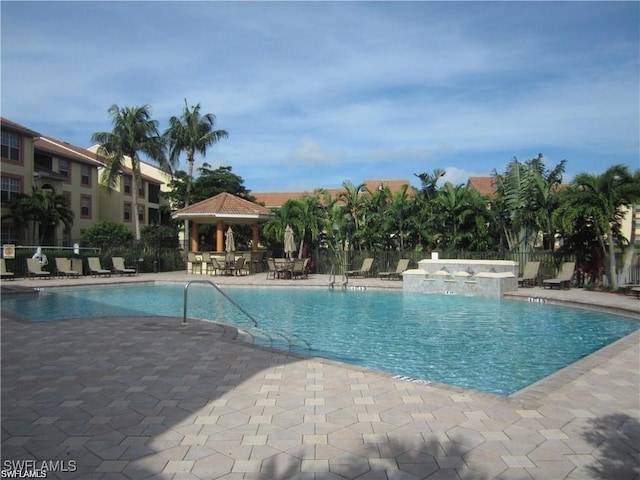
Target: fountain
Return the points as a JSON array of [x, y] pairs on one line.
[[485, 278]]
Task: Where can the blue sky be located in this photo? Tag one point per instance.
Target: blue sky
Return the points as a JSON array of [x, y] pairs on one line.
[[315, 93]]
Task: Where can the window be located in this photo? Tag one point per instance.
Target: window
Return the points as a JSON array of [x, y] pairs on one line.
[[141, 214], [154, 193], [66, 237], [10, 188], [11, 146], [63, 167], [9, 234], [141, 190], [127, 212], [126, 181], [85, 175], [85, 206]]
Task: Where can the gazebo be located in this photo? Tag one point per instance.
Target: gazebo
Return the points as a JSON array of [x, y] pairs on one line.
[[223, 209]]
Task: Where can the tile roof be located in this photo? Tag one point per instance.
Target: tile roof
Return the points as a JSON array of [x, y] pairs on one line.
[[483, 185], [9, 125], [224, 206], [277, 199], [66, 150]]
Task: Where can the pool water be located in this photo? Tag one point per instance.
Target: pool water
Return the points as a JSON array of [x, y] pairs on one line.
[[497, 346]]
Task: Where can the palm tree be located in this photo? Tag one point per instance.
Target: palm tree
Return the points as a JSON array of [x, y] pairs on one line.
[[598, 199], [527, 195], [274, 227], [49, 210], [191, 133], [353, 206], [37, 215], [308, 219], [133, 132]]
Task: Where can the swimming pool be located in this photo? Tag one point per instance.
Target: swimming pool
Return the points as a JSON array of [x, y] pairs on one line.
[[497, 346]]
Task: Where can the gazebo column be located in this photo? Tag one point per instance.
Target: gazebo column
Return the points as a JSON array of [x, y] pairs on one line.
[[195, 243], [256, 236], [220, 236]]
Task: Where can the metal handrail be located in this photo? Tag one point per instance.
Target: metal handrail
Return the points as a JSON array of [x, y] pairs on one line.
[[332, 278], [186, 288]]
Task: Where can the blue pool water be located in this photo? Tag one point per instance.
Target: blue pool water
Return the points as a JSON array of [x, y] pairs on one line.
[[497, 346]]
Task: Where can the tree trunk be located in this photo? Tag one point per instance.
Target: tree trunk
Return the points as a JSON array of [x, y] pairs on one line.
[[186, 204], [613, 281], [629, 254], [136, 183]]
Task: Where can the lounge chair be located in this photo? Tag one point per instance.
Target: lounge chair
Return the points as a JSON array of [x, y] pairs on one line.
[[563, 279], [365, 269], [95, 269], [3, 270], [530, 275], [63, 267], [35, 269], [119, 268], [403, 264]]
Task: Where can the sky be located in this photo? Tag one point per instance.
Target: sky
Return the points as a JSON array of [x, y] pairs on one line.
[[313, 94]]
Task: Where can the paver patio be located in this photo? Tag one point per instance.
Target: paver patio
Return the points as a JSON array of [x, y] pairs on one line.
[[134, 398]]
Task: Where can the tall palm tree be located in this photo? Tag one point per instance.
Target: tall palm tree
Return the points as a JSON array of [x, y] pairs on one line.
[[353, 206], [133, 132], [599, 199], [190, 133]]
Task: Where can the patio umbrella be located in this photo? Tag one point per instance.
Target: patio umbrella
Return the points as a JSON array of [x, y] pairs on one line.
[[230, 243], [289, 242]]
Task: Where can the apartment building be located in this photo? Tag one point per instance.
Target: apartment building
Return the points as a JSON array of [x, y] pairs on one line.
[[32, 161]]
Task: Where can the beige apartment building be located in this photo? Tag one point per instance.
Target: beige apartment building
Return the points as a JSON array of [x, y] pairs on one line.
[[31, 161]]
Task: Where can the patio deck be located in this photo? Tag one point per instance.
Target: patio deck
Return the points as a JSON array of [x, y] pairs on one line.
[[153, 398]]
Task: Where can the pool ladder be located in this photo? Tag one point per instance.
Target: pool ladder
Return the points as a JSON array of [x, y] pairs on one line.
[[269, 335], [209, 282], [332, 278]]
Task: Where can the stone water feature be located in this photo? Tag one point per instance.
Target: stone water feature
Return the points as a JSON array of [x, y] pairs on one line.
[[484, 278]]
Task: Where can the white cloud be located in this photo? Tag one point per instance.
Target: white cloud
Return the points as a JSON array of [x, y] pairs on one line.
[[309, 151]]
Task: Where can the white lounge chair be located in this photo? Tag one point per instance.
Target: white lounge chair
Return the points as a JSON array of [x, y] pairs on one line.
[[35, 269], [120, 269], [95, 269], [63, 267], [4, 273]]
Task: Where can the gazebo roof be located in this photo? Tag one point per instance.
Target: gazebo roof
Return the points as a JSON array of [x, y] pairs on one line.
[[230, 209]]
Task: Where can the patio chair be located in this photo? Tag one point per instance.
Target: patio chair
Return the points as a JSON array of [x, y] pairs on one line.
[[35, 269], [239, 267], [563, 279], [299, 268], [120, 269], [216, 268], [273, 270], [365, 269], [530, 275], [403, 264], [207, 261], [4, 273], [196, 264], [95, 268], [63, 267]]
